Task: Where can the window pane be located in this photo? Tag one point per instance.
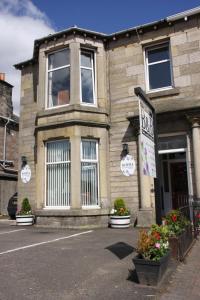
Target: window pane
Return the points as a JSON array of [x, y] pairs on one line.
[[58, 173], [59, 87], [87, 86], [159, 54], [89, 150], [58, 59], [159, 75], [58, 151], [86, 59], [89, 183]]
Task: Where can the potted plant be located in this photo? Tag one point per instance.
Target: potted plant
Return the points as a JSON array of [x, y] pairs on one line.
[[153, 255], [24, 216], [180, 233], [120, 215]]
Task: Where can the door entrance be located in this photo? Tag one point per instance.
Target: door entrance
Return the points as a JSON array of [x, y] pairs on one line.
[[174, 180]]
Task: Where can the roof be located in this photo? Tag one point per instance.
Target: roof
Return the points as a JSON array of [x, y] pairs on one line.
[[105, 37], [6, 83]]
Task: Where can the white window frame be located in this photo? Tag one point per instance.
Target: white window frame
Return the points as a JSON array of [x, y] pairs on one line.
[[94, 80], [95, 206], [46, 207], [55, 69], [146, 50]]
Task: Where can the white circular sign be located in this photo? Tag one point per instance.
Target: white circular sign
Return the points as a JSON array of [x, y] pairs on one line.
[[128, 165], [26, 174]]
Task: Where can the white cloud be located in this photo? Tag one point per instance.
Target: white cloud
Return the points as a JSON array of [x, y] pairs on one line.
[[21, 22]]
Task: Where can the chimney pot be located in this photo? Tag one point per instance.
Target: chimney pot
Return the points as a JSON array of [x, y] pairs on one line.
[[2, 76]]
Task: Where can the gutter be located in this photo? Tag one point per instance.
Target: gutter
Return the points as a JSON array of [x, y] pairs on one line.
[[184, 14]]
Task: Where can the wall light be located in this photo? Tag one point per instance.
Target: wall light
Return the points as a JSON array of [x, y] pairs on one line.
[[24, 161], [125, 149]]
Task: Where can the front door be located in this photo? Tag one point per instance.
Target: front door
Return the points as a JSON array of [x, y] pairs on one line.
[[174, 180], [179, 182]]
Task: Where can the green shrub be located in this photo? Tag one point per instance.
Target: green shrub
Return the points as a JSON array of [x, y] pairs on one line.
[[119, 203], [120, 208], [25, 208]]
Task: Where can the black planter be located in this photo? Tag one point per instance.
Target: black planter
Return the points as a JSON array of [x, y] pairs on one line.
[[151, 272], [180, 245]]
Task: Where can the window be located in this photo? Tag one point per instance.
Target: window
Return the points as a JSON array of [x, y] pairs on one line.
[[87, 77], [58, 78], [58, 174], [158, 67], [89, 173]]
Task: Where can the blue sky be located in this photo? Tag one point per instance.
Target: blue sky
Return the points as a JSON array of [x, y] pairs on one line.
[[109, 16], [23, 21]]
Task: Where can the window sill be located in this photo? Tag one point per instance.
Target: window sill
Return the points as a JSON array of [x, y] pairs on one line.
[[71, 212], [163, 93], [71, 108]]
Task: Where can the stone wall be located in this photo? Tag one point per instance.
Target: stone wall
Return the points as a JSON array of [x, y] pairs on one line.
[[126, 70], [28, 110]]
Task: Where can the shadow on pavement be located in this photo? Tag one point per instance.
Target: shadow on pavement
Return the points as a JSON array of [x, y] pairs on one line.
[[121, 249]]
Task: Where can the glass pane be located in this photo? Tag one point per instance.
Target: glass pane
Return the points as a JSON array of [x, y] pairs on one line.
[[59, 87], [58, 185], [172, 142], [58, 151], [89, 184], [87, 86], [58, 174], [86, 59], [58, 59], [158, 54], [159, 75], [89, 150]]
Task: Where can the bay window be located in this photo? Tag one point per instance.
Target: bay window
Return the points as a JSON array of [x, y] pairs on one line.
[[58, 78], [89, 173]]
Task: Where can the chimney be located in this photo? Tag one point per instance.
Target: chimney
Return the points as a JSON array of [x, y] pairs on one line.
[[2, 76]]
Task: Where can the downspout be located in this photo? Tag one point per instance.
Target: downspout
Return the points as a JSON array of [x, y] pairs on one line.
[[4, 143]]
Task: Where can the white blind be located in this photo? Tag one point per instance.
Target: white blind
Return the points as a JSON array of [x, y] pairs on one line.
[[58, 174], [89, 173]]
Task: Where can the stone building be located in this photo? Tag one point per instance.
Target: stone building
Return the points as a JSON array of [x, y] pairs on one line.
[[9, 127], [79, 111]]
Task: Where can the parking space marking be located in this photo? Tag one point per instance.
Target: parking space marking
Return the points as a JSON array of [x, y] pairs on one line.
[[46, 242], [11, 231]]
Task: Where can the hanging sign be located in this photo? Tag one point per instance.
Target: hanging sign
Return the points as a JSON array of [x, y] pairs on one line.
[[128, 165], [26, 174], [147, 145]]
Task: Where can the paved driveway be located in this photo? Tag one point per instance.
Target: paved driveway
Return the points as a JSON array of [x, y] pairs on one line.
[[51, 264]]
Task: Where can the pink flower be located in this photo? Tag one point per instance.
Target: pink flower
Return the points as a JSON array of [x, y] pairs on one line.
[[157, 245]]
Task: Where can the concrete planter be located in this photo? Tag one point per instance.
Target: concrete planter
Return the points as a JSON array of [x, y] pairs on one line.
[[180, 245], [150, 272], [24, 220], [119, 221]]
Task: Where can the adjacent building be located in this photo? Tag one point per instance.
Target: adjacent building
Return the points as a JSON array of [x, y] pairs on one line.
[[79, 118], [9, 128]]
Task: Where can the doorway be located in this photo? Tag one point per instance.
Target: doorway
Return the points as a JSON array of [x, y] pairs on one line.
[[174, 180]]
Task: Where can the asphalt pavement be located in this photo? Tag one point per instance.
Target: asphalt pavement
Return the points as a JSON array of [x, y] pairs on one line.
[[61, 264]]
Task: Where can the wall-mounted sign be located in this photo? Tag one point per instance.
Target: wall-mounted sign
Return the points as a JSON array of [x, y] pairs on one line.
[[147, 145], [26, 174], [128, 165]]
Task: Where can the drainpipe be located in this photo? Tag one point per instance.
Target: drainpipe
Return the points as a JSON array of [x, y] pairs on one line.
[[4, 143], [5, 135]]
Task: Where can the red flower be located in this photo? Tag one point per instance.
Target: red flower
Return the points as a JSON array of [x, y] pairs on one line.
[[198, 215], [174, 218]]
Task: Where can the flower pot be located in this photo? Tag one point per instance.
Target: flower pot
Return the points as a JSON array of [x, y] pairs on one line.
[[150, 272], [24, 219], [119, 221]]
